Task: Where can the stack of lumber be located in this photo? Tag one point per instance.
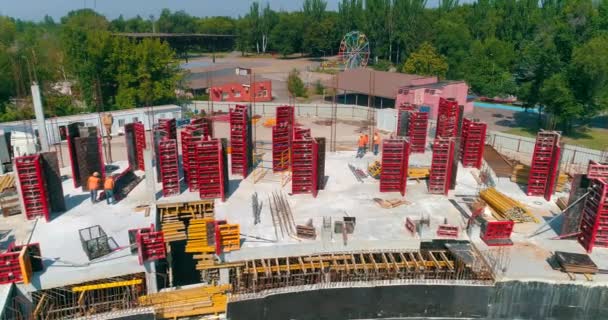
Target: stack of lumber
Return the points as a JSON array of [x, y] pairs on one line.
[[521, 171], [174, 230], [391, 203], [230, 237], [506, 208], [201, 236], [198, 301], [575, 262], [306, 231], [562, 202], [7, 182]]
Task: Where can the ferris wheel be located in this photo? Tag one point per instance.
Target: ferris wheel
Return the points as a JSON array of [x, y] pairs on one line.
[[354, 50]]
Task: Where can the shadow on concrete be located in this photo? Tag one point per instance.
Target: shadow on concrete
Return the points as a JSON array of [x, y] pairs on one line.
[[74, 201], [233, 184]]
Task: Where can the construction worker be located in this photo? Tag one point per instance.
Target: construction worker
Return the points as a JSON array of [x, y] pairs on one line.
[[361, 146], [366, 143], [94, 183], [108, 189], [377, 140]]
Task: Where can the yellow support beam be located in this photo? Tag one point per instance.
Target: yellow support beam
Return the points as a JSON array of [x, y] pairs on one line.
[[107, 285]]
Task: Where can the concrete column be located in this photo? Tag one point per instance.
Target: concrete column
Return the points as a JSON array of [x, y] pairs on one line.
[[151, 283], [150, 180], [42, 134]]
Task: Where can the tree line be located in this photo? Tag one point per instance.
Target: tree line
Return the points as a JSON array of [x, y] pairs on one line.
[[551, 54]]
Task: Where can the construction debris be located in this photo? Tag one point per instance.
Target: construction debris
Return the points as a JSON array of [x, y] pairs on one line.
[[282, 217], [358, 173], [197, 301], [391, 203], [256, 205], [562, 202], [7, 182], [506, 208]]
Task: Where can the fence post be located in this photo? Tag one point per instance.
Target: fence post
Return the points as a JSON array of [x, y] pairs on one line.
[[352, 108], [494, 141], [316, 110], [518, 144], [573, 156]]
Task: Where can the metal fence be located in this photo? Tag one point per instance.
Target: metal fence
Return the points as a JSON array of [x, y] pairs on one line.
[[574, 159]]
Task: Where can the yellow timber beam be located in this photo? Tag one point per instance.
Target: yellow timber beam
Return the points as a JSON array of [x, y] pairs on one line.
[[107, 285]]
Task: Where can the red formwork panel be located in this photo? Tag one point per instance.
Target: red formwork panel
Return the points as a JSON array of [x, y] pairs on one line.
[[447, 230], [281, 144], [545, 164], [472, 143], [203, 123], [32, 187], [190, 135], [304, 179], [239, 141], [210, 169], [497, 233], [301, 133], [447, 118], [404, 111], [10, 269], [169, 127], [417, 130], [441, 165], [285, 115], [140, 143], [597, 170], [169, 166], [150, 245], [594, 219], [395, 156]]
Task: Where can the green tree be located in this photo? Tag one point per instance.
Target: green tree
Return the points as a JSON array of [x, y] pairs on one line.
[[295, 85], [286, 37], [489, 66], [426, 61], [321, 38], [589, 75], [560, 103], [453, 41]]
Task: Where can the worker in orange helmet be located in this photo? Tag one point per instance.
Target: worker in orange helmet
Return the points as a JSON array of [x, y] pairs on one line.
[[93, 183], [377, 141], [108, 189], [361, 146]]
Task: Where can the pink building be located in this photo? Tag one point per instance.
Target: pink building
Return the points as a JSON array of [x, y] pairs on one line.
[[428, 94]]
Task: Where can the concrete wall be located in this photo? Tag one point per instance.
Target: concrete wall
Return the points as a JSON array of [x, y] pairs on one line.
[[505, 300]]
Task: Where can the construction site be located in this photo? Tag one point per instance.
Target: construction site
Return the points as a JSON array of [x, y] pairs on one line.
[[241, 216]]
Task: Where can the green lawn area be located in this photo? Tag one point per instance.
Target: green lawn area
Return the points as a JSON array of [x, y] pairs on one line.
[[593, 138]]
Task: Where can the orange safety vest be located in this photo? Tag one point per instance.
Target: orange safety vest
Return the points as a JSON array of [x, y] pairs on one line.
[[376, 139], [93, 183], [361, 141], [366, 139], [108, 184]]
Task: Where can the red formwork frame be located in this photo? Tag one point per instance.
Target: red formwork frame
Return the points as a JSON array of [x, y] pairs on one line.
[[190, 135], [301, 133], [210, 169], [395, 158], [169, 127], [203, 123], [594, 219], [441, 165], [545, 165], [448, 230], [281, 143], [72, 160], [10, 268], [406, 107], [32, 187], [305, 153], [497, 233], [472, 143], [285, 115], [169, 166], [597, 170], [150, 245], [140, 143], [238, 140], [447, 118], [417, 130]]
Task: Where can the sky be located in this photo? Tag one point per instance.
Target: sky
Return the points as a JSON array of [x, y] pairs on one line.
[[37, 9]]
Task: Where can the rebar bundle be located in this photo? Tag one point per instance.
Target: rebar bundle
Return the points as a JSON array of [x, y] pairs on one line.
[[505, 207]]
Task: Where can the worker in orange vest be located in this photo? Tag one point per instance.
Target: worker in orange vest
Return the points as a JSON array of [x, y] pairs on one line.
[[361, 146], [377, 140], [108, 189], [94, 183], [366, 143]]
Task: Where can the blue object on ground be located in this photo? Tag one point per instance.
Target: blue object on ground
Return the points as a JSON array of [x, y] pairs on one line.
[[486, 105]]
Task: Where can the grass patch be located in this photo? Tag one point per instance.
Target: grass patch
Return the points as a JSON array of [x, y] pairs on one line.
[[592, 138]]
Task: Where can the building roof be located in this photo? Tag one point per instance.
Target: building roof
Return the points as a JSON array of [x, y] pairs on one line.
[[203, 83], [371, 82], [436, 85]]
